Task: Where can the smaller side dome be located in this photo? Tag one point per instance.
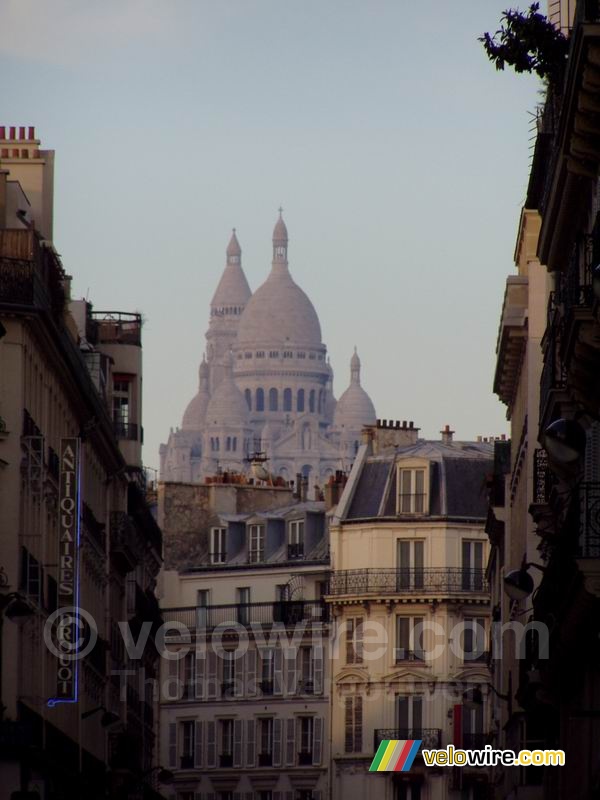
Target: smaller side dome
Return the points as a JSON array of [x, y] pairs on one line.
[[195, 413], [227, 407], [280, 232], [355, 408], [233, 248]]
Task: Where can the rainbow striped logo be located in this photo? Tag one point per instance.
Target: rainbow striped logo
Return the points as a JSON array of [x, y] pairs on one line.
[[395, 755]]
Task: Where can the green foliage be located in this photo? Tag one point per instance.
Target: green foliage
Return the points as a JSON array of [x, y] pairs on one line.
[[527, 42]]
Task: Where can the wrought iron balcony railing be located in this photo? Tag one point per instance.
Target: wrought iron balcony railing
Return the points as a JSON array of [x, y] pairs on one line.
[[408, 581], [431, 737], [554, 377], [126, 430], [588, 497], [290, 612]]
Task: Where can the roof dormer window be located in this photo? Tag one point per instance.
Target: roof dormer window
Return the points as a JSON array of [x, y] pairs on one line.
[[296, 539], [413, 488], [256, 544]]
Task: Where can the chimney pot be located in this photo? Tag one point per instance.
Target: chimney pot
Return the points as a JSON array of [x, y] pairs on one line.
[[2, 131], [12, 133], [22, 132], [31, 132]]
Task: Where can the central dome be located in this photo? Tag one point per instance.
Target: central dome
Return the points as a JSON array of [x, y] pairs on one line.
[[279, 313]]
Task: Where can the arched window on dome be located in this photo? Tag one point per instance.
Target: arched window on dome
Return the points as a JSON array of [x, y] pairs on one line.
[[300, 400], [356, 446], [248, 396], [260, 399], [321, 401], [287, 399], [234, 444], [273, 400], [311, 401], [217, 443], [228, 443]]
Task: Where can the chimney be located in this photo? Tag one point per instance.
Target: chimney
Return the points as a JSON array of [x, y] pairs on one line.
[[447, 434], [303, 489], [298, 486]]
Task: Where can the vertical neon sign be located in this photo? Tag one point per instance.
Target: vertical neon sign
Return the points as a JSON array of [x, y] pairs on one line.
[[68, 622]]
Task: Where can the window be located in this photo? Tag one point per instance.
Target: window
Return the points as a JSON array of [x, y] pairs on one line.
[[305, 725], [256, 549], [311, 401], [226, 743], [409, 716], [247, 355], [409, 554], [260, 400], [305, 667], [187, 739], [472, 566], [274, 354], [409, 634], [248, 396], [408, 791], [265, 754], [218, 545], [228, 672], [473, 734], [296, 538], [202, 602], [31, 582], [273, 400], [353, 722], [121, 402], [300, 355], [260, 354], [287, 399], [300, 400], [412, 491], [287, 354], [354, 640], [474, 640], [189, 675], [243, 603], [267, 662]]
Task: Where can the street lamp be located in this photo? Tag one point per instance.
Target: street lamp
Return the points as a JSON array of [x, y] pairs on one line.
[[565, 441], [108, 718], [16, 608], [518, 584]]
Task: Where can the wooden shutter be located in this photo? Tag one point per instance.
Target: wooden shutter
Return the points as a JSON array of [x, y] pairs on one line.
[[251, 682], [200, 674], [250, 743], [402, 638], [358, 641], [211, 743], [278, 671], [237, 742], [198, 743], [291, 654], [290, 741], [418, 633], [318, 664], [238, 676], [175, 682], [349, 725], [317, 740], [172, 744], [277, 733], [358, 724], [212, 687], [417, 717]]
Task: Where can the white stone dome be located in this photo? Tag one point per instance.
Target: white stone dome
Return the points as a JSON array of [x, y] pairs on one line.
[[227, 407], [354, 408], [279, 313], [195, 413]]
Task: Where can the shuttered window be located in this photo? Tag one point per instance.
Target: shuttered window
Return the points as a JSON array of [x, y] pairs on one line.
[[353, 724], [354, 640]]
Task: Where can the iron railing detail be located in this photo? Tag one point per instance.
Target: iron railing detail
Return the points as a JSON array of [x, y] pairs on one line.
[[431, 738], [589, 520], [408, 581], [290, 612], [542, 477]]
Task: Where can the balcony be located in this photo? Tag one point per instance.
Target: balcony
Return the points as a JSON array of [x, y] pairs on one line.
[[431, 738], [127, 431], [31, 276], [553, 383], [312, 612], [295, 551], [123, 540], [419, 582], [115, 327], [588, 500], [512, 338]]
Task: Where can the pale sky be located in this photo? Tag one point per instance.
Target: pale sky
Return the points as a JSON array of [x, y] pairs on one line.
[[399, 155]]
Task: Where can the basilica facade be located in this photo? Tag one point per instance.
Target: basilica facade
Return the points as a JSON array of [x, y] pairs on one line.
[[266, 385]]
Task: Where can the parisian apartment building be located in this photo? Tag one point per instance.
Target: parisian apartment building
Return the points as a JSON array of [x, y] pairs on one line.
[[308, 630], [75, 527], [543, 523]]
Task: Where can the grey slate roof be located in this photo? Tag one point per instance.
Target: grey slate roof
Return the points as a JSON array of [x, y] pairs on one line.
[[458, 472]]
